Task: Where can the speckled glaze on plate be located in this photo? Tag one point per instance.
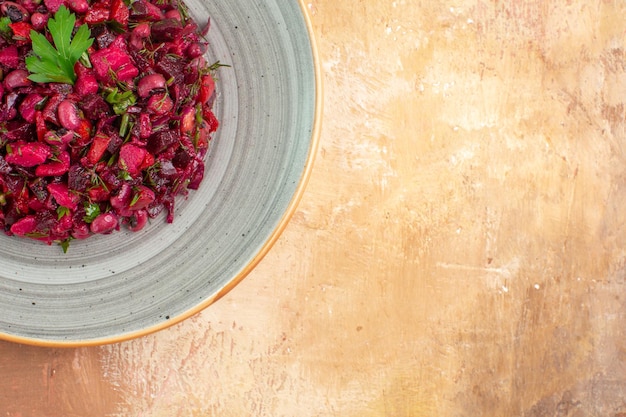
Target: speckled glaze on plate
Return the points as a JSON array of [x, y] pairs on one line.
[[112, 288]]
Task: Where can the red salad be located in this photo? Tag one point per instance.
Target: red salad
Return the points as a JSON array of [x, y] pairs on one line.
[[105, 114]]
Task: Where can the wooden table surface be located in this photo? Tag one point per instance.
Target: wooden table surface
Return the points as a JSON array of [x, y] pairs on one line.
[[460, 249]]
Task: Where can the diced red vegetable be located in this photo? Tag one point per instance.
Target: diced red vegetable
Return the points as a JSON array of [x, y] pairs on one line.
[[54, 168], [86, 84], [98, 147], [113, 61], [9, 57], [27, 154], [120, 12], [21, 32], [24, 226], [97, 13], [131, 158], [63, 196]]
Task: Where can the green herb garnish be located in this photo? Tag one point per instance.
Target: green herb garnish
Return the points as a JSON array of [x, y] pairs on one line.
[[63, 211], [92, 210], [65, 244], [5, 29], [119, 99], [56, 63]]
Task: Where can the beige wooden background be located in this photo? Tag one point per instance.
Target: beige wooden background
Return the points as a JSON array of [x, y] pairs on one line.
[[460, 249]]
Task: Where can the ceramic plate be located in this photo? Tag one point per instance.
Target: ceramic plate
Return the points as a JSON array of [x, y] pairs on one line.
[[124, 285]]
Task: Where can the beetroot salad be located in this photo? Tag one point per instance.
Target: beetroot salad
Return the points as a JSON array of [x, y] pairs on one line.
[[105, 114]]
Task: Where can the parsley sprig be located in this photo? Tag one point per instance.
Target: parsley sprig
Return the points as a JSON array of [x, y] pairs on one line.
[[56, 63]]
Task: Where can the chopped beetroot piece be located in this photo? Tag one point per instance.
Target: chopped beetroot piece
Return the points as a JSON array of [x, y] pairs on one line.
[[154, 209], [40, 125], [187, 119], [99, 193], [63, 196], [145, 126], [115, 143], [179, 45], [21, 32], [113, 59], [86, 84], [143, 197], [22, 199], [173, 14], [143, 10], [60, 88], [212, 121], [39, 190], [161, 140], [148, 161], [181, 158], [171, 67], [120, 12], [166, 30], [160, 103], [54, 168], [142, 30], [24, 226], [97, 13], [17, 130], [78, 178], [27, 154], [111, 179], [168, 169], [5, 168], [140, 60], [80, 230], [196, 177], [94, 107], [98, 147], [131, 158], [103, 36], [13, 184], [63, 225], [46, 219], [207, 88], [9, 57], [82, 135], [168, 203]]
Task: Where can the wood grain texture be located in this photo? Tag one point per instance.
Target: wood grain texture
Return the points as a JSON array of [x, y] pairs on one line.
[[460, 249]]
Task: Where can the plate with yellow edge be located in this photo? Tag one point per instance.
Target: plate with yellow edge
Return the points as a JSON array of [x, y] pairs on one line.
[[124, 285]]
